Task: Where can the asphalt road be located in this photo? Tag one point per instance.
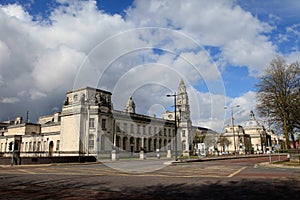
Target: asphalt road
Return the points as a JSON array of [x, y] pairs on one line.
[[152, 179]]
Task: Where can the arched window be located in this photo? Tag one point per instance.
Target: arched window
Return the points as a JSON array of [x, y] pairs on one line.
[[51, 145], [75, 97]]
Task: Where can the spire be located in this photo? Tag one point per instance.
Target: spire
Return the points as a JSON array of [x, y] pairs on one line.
[[183, 101], [181, 88], [185, 122], [182, 98], [130, 106]]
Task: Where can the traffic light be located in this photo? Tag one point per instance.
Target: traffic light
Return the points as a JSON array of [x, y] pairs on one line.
[[10, 146]]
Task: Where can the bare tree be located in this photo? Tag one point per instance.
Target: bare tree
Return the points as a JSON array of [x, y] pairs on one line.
[[278, 96], [223, 140]]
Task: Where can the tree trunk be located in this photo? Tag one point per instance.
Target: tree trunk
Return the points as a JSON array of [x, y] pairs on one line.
[[287, 140]]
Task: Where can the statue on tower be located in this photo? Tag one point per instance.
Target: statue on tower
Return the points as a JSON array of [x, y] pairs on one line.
[[252, 116], [130, 106]]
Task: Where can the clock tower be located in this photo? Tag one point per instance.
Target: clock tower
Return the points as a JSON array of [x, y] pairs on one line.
[[185, 123]]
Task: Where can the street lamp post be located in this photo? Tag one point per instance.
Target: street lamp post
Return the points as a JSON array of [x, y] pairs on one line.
[[175, 126], [88, 125], [232, 121]]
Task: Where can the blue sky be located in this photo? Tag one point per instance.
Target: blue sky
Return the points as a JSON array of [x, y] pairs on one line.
[[44, 7], [218, 47]]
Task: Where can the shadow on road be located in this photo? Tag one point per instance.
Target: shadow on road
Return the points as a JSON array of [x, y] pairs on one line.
[[244, 189]]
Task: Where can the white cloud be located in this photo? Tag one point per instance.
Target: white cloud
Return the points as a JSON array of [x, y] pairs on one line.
[[81, 26], [293, 57], [39, 60], [15, 10], [34, 94], [216, 23], [207, 109], [56, 68], [4, 58], [4, 53], [9, 100], [294, 29], [247, 103], [42, 60]]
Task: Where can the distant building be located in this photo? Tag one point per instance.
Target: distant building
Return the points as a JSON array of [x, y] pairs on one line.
[[251, 138]]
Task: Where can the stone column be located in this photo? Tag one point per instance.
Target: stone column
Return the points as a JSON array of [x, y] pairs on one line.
[[121, 141], [142, 153]]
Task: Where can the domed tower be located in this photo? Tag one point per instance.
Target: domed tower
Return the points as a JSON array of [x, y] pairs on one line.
[[130, 106], [185, 123]]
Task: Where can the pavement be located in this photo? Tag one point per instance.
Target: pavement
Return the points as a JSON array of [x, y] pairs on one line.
[[118, 164], [205, 178]]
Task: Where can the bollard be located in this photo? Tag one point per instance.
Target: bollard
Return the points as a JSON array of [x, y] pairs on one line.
[[158, 156]]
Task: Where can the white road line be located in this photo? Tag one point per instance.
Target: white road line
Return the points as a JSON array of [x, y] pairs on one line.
[[26, 171], [236, 172]]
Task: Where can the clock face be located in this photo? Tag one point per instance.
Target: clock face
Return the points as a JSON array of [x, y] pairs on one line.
[[170, 116]]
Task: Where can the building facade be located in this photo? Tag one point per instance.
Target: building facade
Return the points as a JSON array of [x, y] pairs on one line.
[[89, 126], [252, 138]]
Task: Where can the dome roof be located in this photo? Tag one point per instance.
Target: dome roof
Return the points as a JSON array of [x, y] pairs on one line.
[[251, 123]]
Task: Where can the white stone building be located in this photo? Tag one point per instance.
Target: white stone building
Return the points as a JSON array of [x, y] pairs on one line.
[[89, 126], [251, 138]]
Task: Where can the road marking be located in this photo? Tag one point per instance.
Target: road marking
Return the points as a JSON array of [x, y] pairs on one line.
[[198, 173], [236, 172], [26, 171], [167, 175]]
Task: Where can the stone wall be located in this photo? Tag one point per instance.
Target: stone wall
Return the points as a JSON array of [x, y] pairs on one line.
[[47, 160]]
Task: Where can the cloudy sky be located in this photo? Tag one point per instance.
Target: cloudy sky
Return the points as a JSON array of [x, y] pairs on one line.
[[142, 49]]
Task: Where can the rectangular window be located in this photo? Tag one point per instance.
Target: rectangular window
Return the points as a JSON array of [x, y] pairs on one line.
[[155, 131], [170, 133], [91, 141], [125, 128], [118, 127], [103, 124], [165, 132], [92, 123], [131, 128], [149, 130], [183, 133], [138, 129], [57, 145], [183, 145], [144, 130]]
